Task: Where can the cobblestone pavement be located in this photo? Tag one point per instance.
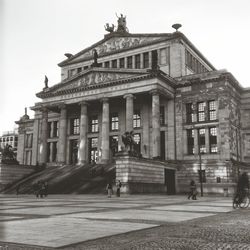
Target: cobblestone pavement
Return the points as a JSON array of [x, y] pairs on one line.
[[224, 228]]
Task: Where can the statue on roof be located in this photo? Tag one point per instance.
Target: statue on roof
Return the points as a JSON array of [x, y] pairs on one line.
[[95, 55], [108, 28], [46, 80], [122, 24]]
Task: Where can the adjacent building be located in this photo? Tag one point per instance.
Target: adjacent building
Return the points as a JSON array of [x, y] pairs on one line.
[[9, 138], [188, 119]]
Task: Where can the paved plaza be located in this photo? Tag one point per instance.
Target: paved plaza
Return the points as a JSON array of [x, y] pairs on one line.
[[128, 222]]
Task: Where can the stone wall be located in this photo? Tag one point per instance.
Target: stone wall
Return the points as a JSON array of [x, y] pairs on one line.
[[140, 175]]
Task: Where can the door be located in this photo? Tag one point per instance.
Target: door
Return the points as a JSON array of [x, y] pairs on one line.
[[170, 181]]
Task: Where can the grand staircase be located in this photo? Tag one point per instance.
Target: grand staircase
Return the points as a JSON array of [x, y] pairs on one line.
[[67, 179]]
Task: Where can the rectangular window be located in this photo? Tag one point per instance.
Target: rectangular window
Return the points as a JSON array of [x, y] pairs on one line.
[[146, 60], [55, 128], [85, 67], [201, 111], [213, 140], [190, 141], [75, 126], [212, 110], [79, 70], [94, 127], [190, 111], [49, 129], [114, 122], [129, 62], [138, 61], [93, 145], [137, 119], [114, 63], [122, 63], [162, 115], [114, 144], [164, 56], [106, 65], [202, 140]]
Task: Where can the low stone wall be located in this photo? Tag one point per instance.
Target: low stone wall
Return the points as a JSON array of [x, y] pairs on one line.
[[12, 173], [140, 175]]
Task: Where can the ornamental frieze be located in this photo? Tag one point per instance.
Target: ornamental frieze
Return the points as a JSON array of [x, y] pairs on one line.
[[115, 44], [94, 78]]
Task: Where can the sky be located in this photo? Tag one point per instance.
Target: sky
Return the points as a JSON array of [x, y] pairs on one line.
[[35, 35]]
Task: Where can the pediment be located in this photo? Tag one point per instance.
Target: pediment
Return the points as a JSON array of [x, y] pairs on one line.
[[92, 78], [116, 43]]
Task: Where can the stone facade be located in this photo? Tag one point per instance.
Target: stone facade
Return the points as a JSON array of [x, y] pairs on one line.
[[164, 90]]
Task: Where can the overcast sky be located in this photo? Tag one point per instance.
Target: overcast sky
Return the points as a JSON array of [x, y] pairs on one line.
[[35, 34]]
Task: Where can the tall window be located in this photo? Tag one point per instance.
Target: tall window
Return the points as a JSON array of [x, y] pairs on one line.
[[137, 146], [79, 70], [55, 129], [190, 109], [145, 60], [114, 144], [212, 110], [75, 126], [122, 63], [94, 124], [162, 115], [201, 111], [201, 140], [114, 63], [106, 64], [164, 56], [138, 61], [114, 122], [213, 140], [93, 146], [129, 62], [190, 141], [137, 119]]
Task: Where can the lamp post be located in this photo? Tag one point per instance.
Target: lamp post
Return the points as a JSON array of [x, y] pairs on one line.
[[199, 148]]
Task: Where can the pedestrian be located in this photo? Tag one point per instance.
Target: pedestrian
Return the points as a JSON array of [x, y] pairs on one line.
[[109, 189], [242, 186], [118, 188], [193, 191]]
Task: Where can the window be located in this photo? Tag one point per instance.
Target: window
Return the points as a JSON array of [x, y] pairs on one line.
[[202, 140], [190, 110], [164, 56], [114, 144], [85, 67], [213, 140], [145, 60], [55, 128], [138, 61], [49, 129], [122, 63], [162, 115], [114, 63], [106, 65], [137, 119], [114, 122], [130, 62], [75, 126], [190, 141], [79, 70], [201, 111], [93, 144], [137, 146], [94, 124], [212, 110], [29, 140]]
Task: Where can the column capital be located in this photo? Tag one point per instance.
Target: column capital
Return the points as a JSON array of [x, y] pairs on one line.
[[129, 95], [62, 106], [155, 92], [83, 103], [105, 99]]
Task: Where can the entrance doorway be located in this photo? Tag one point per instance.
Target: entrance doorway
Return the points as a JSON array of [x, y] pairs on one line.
[[170, 181], [74, 152]]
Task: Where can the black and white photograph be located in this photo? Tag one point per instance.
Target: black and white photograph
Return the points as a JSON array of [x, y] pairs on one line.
[[124, 125]]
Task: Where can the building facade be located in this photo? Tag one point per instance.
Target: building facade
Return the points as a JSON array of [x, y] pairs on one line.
[[9, 138], [185, 115]]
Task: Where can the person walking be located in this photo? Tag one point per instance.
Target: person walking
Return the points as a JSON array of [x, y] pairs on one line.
[[118, 188], [109, 189], [193, 191]]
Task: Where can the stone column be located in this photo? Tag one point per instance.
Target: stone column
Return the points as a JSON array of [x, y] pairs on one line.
[[129, 111], [62, 135], [83, 134], [105, 131], [156, 124], [44, 136]]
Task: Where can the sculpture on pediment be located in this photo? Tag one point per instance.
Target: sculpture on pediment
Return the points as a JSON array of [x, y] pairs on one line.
[[122, 24], [8, 155], [95, 55], [108, 28]]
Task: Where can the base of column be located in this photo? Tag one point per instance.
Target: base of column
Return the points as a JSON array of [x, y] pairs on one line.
[[81, 163]]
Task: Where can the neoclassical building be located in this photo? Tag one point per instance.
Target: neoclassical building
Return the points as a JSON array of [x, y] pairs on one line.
[[188, 119]]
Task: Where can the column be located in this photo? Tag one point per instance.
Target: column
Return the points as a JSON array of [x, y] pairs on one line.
[[83, 134], [207, 140], [105, 131], [156, 123], [150, 59], [196, 141], [44, 136], [62, 135], [129, 111]]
